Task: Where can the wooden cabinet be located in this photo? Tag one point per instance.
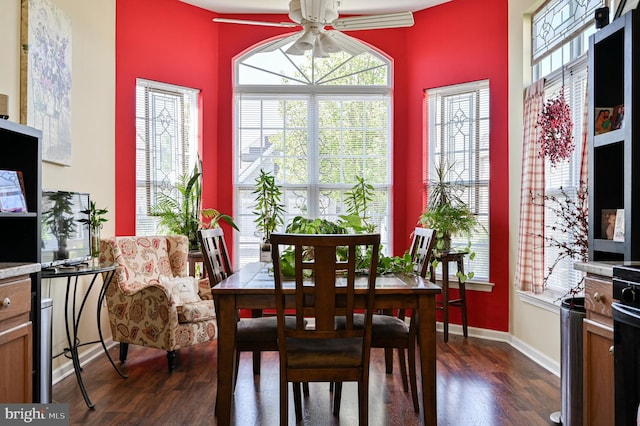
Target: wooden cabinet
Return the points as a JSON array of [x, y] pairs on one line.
[[614, 153], [598, 352], [20, 150], [15, 340]]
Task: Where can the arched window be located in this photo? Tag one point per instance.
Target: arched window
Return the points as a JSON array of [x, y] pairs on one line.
[[317, 125]]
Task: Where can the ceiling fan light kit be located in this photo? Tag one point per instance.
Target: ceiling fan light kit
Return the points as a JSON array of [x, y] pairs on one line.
[[314, 15]]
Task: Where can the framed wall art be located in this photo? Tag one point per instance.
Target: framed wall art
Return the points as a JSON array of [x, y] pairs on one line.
[[45, 77]]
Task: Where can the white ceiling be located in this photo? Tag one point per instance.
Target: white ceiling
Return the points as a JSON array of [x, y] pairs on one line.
[[348, 7]]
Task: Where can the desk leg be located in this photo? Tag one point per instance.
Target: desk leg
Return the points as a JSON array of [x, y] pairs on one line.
[[427, 346], [226, 315]]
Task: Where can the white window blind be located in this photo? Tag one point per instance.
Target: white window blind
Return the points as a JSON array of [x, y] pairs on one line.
[[166, 132], [316, 124], [459, 138]]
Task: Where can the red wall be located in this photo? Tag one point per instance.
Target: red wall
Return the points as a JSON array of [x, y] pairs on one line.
[[170, 41]]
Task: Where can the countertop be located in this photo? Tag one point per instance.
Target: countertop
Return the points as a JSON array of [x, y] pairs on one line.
[[14, 269], [603, 268]]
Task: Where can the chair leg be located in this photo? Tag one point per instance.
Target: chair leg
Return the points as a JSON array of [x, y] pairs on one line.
[[124, 348], [337, 395], [284, 400], [388, 360], [256, 362], [171, 359], [412, 377], [363, 402], [403, 369], [297, 401]]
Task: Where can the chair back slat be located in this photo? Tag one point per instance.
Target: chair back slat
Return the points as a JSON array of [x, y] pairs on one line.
[[421, 250], [324, 283], [216, 256]]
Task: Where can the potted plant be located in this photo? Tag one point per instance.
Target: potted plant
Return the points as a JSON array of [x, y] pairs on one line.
[[448, 215], [268, 209], [94, 220], [180, 211], [59, 218]]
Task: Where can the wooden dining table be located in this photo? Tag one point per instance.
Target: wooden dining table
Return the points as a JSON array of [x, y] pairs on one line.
[[253, 287]]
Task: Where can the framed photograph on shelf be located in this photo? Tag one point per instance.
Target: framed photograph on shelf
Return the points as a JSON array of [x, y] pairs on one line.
[[618, 232], [617, 117], [608, 223], [12, 198], [603, 119]]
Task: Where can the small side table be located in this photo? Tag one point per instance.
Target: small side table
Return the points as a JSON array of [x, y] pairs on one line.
[[72, 319], [445, 258], [196, 257]]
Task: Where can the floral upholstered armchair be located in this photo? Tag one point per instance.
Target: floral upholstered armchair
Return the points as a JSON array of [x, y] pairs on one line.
[[151, 300]]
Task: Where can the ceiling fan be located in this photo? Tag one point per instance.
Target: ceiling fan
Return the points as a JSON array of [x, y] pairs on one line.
[[314, 15]]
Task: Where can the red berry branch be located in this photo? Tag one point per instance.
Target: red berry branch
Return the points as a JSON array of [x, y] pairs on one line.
[[556, 139]]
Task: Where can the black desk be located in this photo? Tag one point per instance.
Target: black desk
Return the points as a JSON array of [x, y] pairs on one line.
[[72, 319]]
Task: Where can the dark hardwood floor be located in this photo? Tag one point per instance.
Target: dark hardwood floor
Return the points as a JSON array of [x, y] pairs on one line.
[[479, 383]]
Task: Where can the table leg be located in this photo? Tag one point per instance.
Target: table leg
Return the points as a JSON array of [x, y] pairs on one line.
[[105, 285], [74, 343], [427, 347], [463, 299], [226, 316]]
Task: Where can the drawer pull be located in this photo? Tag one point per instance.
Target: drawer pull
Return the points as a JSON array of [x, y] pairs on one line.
[[5, 303], [611, 350], [598, 297]]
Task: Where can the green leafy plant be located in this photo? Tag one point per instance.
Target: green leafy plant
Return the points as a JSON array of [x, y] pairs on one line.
[[94, 220], [357, 201], [95, 216], [268, 209], [448, 215], [180, 212]]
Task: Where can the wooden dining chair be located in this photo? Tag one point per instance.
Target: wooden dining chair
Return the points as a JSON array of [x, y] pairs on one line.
[[257, 334], [391, 331], [323, 290]]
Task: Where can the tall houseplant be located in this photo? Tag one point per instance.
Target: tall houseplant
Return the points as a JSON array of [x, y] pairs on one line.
[[448, 214], [180, 212], [268, 209]]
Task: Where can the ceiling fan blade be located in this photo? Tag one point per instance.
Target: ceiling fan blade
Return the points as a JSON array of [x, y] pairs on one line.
[[263, 23], [346, 43], [273, 46], [372, 22]]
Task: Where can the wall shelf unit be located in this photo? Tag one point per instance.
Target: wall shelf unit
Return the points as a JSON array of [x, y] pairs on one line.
[[21, 150], [614, 150]]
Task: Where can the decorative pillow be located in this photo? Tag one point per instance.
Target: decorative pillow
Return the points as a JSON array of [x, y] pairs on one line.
[[182, 289]]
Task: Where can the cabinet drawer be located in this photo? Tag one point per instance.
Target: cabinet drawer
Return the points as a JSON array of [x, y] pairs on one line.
[[598, 295], [18, 292]]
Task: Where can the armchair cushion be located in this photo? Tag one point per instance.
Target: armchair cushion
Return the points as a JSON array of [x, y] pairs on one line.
[[183, 289], [202, 310]]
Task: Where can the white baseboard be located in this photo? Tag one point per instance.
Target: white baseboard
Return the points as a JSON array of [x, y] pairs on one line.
[[86, 357]]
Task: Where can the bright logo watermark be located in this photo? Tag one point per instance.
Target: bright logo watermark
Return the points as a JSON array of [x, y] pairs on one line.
[[49, 414]]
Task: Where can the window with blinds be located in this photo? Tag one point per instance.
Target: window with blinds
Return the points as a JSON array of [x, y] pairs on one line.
[[458, 125], [316, 124], [166, 132], [565, 176]]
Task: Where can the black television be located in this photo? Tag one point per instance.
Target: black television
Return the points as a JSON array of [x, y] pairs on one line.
[[66, 241]]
